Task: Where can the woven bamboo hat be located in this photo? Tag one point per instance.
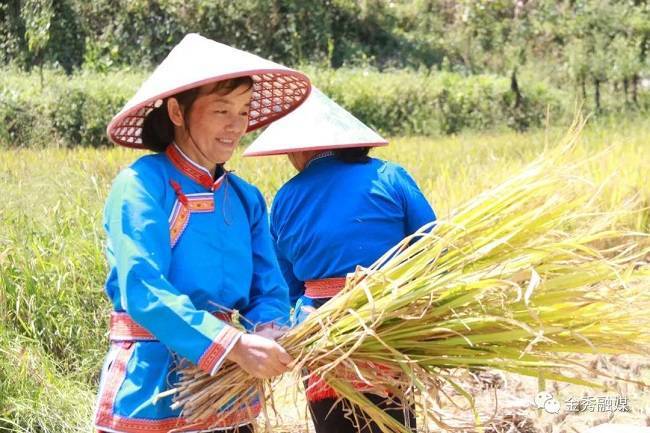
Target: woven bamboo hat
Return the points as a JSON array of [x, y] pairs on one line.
[[196, 61], [319, 124]]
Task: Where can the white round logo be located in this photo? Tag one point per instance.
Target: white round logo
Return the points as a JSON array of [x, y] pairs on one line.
[[541, 398], [544, 400]]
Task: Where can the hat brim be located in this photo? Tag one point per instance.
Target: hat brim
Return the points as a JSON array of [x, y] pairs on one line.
[[319, 124], [297, 148], [125, 128]]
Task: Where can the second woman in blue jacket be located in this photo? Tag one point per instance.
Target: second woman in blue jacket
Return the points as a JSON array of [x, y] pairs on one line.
[[341, 210]]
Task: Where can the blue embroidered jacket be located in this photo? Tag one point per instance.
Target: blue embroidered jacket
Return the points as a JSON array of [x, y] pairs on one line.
[[180, 247], [333, 216]]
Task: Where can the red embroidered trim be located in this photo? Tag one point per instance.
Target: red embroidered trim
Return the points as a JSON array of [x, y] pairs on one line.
[[106, 419], [324, 288], [188, 168], [115, 376], [318, 389], [124, 328], [179, 192], [216, 351], [184, 206], [179, 220], [198, 204], [134, 425]]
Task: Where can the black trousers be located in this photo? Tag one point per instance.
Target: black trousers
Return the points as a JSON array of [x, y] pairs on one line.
[[340, 420]]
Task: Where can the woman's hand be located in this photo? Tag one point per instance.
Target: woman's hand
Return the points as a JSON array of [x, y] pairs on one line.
[[260, 357], [271, 331]]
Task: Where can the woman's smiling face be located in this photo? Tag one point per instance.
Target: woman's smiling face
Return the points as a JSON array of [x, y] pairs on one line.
[[215, 122]]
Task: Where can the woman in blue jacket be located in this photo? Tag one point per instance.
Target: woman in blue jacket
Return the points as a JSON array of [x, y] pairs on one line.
[[188, 241], [341, 210]]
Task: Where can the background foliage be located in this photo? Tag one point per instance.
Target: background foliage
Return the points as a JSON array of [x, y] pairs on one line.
[[586, 47], [74, 110]]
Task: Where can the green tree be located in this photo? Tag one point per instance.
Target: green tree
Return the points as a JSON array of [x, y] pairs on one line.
[[37, 16], [12, 29], [626, 62]]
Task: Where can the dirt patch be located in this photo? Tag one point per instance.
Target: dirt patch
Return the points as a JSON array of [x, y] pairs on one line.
[[506, 402]]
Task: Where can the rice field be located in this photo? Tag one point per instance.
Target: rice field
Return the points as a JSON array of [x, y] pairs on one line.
[[54, 315]]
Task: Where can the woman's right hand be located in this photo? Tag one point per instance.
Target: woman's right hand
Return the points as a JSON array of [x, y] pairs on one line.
[[260, 357]]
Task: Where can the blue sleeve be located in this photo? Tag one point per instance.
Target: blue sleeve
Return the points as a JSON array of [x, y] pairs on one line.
[[138, 235], [269, 297], [417, 209], [296, 287]]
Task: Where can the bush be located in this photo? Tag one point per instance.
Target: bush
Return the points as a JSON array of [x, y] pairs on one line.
[[74, 111], [434, 103], [64, 111], [16, 120]]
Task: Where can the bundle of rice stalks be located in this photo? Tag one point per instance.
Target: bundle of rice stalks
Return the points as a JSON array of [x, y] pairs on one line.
[[520, 279]]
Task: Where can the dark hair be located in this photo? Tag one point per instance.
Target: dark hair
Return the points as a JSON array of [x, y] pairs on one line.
[[353, 155], [158, 129]]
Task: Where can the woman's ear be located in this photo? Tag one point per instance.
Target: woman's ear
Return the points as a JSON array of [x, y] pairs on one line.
[[175, 112]]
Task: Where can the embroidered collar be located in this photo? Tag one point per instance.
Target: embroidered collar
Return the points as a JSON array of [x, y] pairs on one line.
[[191, 169], [319, 156]]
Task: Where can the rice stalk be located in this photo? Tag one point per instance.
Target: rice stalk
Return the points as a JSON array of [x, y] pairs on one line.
[[523, 278]]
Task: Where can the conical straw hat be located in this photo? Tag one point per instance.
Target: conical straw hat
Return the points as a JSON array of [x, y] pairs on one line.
[[319, 124], [195, 61]]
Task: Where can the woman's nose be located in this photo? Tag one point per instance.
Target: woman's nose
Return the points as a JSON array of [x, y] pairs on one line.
[[237, 124]]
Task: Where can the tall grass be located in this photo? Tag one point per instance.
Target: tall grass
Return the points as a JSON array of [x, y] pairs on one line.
[[34, 395], [52, 308]]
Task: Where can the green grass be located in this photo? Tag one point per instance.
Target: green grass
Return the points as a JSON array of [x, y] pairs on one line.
[[34, 395], [54, 315]]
